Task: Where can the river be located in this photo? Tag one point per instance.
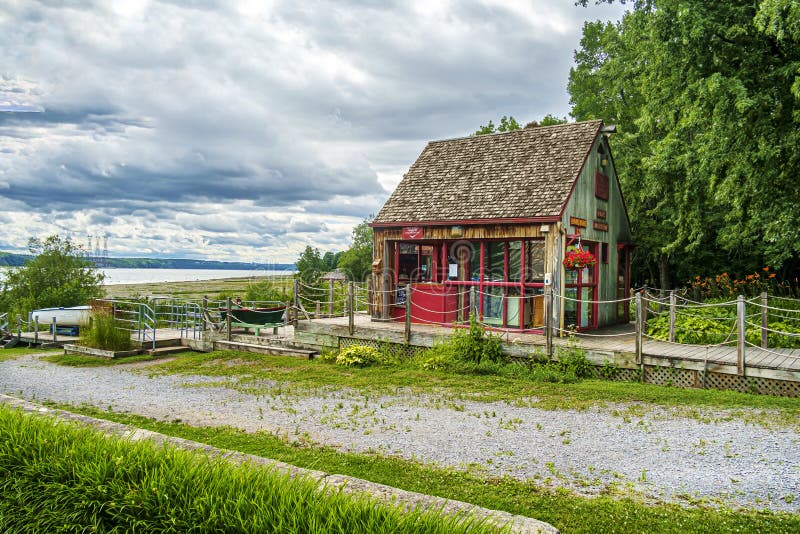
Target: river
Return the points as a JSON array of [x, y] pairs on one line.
[[144, 276]]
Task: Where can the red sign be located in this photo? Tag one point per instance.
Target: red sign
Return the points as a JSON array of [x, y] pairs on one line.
[[601, 186], [412, 232], [600, 214], [601, 226]]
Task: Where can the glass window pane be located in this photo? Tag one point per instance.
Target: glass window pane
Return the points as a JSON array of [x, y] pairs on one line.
[[534, 261], [514, 261], [495, 260], [493, 306]]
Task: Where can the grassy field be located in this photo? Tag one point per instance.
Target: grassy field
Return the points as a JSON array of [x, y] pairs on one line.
[[303, 377], [614, 511], [68, 478], [213, 289]]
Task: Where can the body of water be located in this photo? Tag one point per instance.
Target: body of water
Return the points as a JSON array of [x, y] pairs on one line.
[[145, 276]]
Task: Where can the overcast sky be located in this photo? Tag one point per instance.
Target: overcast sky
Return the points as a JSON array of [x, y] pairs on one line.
[[245, 130]]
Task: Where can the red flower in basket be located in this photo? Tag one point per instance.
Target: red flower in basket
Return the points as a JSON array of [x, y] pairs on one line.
[[577, 259]]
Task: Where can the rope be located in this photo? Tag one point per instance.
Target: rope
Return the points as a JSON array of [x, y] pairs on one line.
[[759, 327], [614, 301]]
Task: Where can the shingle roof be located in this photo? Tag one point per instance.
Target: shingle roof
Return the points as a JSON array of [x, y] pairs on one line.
[[520, 174]]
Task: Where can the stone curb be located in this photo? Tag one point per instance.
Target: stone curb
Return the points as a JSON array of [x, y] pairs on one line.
[[386, 494]]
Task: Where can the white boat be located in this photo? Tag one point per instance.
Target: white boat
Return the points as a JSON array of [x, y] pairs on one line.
[[74, 316]]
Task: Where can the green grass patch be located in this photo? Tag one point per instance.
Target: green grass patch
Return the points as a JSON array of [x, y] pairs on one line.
[[81, 360], [57, 476], [608, 513], [307, 377], [16, 352]]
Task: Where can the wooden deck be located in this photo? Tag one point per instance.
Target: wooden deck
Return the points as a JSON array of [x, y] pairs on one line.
[[164, 336], [688, 365]]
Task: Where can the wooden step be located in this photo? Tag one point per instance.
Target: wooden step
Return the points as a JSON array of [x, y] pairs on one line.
[[265, 349], [161, 351]]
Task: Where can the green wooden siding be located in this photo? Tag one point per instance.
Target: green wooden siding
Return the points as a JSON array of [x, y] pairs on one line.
[[583, 203]]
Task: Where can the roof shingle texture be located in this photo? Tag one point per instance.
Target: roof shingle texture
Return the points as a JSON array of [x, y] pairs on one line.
[[521, 174]]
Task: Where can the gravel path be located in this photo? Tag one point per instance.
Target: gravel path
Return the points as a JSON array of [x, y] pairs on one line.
[[657, 455]]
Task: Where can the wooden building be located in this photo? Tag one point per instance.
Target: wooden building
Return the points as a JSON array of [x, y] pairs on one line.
[[483, 223]]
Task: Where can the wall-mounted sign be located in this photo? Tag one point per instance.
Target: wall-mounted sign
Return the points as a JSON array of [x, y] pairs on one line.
[[601, 185], [601, 226], [412, 232], [600, 214], [577, 221]]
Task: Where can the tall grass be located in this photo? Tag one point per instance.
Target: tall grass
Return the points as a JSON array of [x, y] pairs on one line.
[[57, 476], [106, 333]]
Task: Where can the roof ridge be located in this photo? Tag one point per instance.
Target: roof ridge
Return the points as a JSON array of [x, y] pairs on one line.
[[473, 136]]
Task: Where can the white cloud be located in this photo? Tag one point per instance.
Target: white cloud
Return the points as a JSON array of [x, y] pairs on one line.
[[232, 130]]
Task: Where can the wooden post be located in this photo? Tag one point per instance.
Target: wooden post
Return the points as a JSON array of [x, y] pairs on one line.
[[370, 309], [548, 321], [296, 303], [764, 320], [36, 330], [318, 310], [203, 313], [472, 304], [330, 298], [228, 318], [55, 331], [740, 317], [672, 302], [639, 315], [19, 327], [351, 320], [408, 313], [287, 316]]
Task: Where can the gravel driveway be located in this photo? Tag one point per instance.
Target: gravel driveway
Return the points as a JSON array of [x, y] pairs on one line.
[[618, 450]]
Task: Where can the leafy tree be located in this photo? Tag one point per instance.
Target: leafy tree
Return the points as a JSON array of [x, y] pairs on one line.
[[310, 266], [331, 259], [507, 124], [57, 275], [705, 95], [356, 262]]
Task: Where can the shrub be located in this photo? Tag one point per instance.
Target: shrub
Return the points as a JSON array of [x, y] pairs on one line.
[[571, 360], [358, 356], [475, 344], [105, 333], [265, 291]]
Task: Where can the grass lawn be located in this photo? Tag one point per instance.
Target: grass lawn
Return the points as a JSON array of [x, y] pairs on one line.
[[302, 377], [569, 513], [8, 354], [63, 477], [616, 511]]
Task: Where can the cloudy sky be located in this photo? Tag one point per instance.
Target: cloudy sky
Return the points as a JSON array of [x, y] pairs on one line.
[[245, 130]]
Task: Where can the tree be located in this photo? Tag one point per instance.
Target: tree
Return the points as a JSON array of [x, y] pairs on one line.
[[57, 275], [705, 95], [331, 259], [356, 262], [310, 266], [507, 124]]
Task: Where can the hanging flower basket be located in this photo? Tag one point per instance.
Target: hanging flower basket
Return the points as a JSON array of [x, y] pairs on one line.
[[578, 259]]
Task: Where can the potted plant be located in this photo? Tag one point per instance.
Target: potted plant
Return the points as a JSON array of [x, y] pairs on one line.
[[577, 259]]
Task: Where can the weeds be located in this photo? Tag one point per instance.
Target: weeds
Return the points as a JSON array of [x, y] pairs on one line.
[[106, 334]]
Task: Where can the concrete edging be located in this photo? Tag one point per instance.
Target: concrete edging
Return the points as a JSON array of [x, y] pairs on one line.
[[385, 494], [91, 351]]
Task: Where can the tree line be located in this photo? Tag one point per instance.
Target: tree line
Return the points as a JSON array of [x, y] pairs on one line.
[[705, 96]]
